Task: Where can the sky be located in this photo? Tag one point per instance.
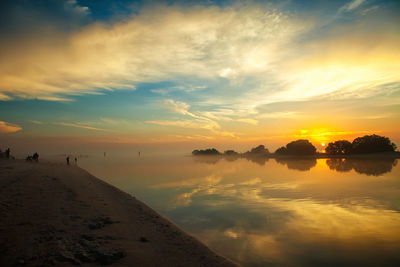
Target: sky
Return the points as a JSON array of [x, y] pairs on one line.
[[193, 74]]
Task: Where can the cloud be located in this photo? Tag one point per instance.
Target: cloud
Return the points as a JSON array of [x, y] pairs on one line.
[[351, 5], [281, 115], [113, 121], [369, 10], [191, 137], [249, 121], [181, 88], [4, 97], [225, 73], [36, 122], [346, 68], [177, 106], [184, 123], [243, 44], [162, 43], [352, 66], [216, 115], [54, 98], [5, 127], [74, 7], [86, 127], [209, 125], [204, 121]]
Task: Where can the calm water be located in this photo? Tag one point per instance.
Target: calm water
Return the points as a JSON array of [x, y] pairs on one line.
[[265, 213]]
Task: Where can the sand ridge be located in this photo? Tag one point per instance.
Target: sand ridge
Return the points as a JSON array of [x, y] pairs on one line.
[[54, 214]]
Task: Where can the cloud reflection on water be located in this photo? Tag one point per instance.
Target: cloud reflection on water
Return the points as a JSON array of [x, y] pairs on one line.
[[313, 219], [273, 214]]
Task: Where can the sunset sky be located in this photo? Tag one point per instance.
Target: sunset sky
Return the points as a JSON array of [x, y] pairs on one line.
[[198, 73]]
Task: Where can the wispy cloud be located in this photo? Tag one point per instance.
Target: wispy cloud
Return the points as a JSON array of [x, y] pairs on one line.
[[369, 10], [86, 127], [54, 98], [36, 122], [281, 115], [194, 137], [216, 115], [4, 97], [73, 6], [198, 121], [183, 123], [209, 125], [112, 121], [178, 107], [6, 127], [249, 121], [181, 88], [351, 5]]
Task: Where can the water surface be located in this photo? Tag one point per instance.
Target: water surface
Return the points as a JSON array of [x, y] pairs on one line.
[[262, 212]]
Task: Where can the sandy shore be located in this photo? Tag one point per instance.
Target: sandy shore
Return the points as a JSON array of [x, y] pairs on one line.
[[54, 214]]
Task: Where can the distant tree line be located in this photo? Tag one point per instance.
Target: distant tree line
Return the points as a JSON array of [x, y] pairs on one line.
[[361, 145], [205, 152]]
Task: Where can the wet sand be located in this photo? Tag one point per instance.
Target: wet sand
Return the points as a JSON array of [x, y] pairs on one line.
[[54, 214]]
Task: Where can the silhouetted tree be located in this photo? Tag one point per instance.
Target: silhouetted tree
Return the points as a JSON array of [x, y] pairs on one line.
[[372, 144], [341, 147], [297, 148], [209, 151], [300, 147], [281, 151], [259, 150]]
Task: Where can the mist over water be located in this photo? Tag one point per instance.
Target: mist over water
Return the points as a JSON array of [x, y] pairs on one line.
[[258, 211]]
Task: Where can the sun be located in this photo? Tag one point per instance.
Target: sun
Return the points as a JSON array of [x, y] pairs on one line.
[[322, 144]]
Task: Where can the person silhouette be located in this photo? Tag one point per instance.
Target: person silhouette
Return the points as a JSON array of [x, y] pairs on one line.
[[35, 157], [76, 160], [68, 160], [8, 153]]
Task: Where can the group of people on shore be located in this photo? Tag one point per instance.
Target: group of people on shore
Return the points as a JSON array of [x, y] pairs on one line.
[[5, 154], [35, 157], [68, 159]]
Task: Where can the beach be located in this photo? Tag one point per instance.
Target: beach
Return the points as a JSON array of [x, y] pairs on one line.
[[58, 214]]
